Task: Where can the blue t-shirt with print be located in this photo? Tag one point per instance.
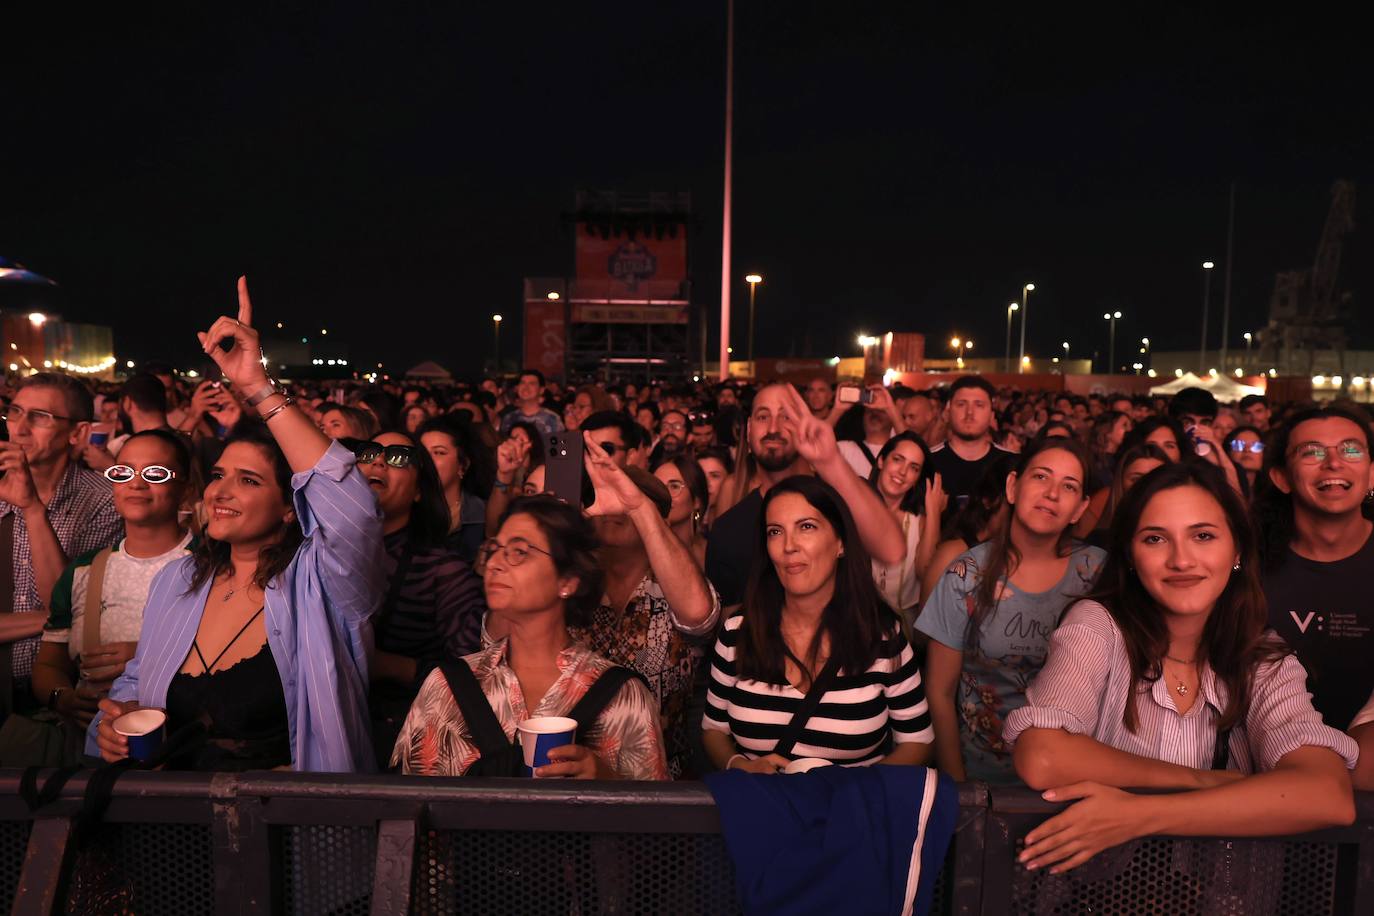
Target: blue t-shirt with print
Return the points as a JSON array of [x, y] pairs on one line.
[[1012, 645]]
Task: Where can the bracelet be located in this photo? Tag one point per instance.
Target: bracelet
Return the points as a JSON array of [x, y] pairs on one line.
[[287, 402], [501, 486], [262, 394], [729, 763]]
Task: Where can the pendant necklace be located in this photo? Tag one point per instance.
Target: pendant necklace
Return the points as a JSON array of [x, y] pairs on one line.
[[1182, 688]]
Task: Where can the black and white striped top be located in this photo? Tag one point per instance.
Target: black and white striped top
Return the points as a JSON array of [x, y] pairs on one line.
[[853, 721]]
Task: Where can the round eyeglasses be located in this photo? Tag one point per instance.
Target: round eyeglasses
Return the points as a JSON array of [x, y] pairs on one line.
[[153, 473]]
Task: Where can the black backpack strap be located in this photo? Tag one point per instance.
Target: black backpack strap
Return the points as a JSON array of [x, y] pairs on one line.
[[37, 798], [486, 729], [797, 725], [599, 695]]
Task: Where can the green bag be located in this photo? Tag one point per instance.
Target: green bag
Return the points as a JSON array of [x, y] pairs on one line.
[[41, 739]]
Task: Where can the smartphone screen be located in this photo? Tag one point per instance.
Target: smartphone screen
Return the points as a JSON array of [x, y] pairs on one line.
[[564, 473]]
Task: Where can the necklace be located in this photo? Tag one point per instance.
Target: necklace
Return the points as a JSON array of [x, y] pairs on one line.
[[234, 588], [1182, 688]]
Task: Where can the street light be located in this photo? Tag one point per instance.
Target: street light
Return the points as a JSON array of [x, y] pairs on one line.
[[496, 350], [1111, 346], [753, 280], [1006, 362], [1248, 337], [37, 318], [1206, 301], [1025, 313], [960, 347]]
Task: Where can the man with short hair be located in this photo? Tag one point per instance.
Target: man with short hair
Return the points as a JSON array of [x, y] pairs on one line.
[[968, 448], [616, 433], [820, 397], [1319, 554], [785, 439], [702, 430], [1122, 404], [529, 407], [919, 414], [672, 436], [54, 509], [143, 404], [1255, 408]]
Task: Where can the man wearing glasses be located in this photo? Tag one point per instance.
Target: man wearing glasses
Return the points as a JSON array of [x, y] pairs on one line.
[[1319, 555], [51, 508]]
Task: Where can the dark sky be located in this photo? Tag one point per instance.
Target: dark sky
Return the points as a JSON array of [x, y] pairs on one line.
[[392, 171]]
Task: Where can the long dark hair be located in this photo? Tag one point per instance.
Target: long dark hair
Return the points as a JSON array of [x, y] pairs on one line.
[[856, 620], [1002, 558], [988, 497], [429, 517], [1274, 508], [211, 557], [914, 500], [1147, 427], [1125, 458], [1233, 640]]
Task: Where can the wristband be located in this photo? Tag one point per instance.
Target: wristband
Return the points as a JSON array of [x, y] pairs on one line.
[[501, 486], [262, 394], [731, 762]]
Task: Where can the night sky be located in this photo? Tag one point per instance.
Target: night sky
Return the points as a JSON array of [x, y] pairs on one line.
[[393, 172]]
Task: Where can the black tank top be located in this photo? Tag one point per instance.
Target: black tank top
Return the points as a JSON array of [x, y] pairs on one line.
[[244, 709]]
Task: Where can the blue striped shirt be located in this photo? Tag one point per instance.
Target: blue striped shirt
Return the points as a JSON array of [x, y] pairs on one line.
[[317, 614]]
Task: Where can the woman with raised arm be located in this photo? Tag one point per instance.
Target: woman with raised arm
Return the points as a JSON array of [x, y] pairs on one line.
[[1168, 678], [261, 635]]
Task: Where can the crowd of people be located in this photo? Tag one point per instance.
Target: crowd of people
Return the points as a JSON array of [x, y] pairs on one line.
[[1081, 594]]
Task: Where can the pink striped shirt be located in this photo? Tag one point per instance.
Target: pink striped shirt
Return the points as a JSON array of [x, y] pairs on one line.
[[1083, 688]]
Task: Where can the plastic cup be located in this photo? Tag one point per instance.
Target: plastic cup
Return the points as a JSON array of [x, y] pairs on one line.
[[144, 729], [540, 735], [802, 764]]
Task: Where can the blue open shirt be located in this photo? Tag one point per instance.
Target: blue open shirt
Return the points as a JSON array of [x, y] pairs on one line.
[[317, 616]]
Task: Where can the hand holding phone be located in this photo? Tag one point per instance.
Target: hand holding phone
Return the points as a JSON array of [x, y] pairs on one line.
[[563, 467]]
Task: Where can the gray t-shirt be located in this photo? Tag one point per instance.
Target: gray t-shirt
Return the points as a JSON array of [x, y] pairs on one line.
[[1012, 645]]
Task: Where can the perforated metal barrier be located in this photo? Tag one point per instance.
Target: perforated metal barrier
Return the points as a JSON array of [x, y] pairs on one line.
[[186, 844]]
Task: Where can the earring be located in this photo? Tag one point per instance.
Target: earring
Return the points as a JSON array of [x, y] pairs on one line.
[[562, 594], [1236, 568], [1369, 497]]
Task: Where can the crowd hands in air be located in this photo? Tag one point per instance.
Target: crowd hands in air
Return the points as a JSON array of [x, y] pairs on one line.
[[1084, 595]]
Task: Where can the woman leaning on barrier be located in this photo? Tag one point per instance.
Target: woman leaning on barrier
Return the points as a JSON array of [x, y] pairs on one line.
[[1168, 679], [261, 634]]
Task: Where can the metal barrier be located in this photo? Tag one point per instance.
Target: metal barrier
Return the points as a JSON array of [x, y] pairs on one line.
[[188, 843]]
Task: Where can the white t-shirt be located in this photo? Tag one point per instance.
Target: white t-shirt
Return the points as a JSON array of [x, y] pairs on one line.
[[122, 596], [856, 454], [900, 583]]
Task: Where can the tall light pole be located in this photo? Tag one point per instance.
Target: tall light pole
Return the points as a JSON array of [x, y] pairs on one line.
[[496, 348], [1145, 350], [1006, 362], [753, 280], [960, 347], [729, 158], [1206, 302], [1111, 345], [1248, 337], [1025, 311]]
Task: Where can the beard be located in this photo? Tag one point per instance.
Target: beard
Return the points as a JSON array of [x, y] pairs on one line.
[[774, 461]]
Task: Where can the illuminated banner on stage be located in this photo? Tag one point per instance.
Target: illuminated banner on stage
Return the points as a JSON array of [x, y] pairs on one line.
[[624, 266], [630, 314]]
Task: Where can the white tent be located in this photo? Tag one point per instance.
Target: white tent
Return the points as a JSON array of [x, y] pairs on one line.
[[1223, 389], [430, 371]]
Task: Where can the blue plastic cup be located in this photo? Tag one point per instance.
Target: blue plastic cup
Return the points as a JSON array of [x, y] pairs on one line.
[[144, 729], [540, 735], [99, 439]]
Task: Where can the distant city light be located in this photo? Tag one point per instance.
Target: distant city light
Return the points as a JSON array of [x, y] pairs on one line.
[[38, 318], [553, 297]]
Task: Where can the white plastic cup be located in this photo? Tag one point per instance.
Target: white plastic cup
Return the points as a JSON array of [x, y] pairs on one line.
[[542, 734]]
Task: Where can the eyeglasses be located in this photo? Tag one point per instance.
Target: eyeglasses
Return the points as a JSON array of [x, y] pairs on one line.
[[675, 486], [1256, 447], [153, 473], [516, 551], [38, 419], [1315, 452], [396, 456], [678, 425]]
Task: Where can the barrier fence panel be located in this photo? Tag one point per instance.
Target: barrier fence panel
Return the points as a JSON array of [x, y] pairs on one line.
[[187, 843]]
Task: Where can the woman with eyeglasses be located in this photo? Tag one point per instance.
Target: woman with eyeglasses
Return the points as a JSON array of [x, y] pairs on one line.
[[433, 608], [686, 483], [79, 659], [541, 574], [259, 639], [1245, 447]]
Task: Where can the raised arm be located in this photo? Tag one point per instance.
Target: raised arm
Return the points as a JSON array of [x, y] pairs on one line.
[[46, 554], [878, 530], [694, 607]]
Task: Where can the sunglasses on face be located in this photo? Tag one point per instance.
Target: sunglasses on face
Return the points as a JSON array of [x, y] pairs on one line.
[[395, 456], [153, 473], [610, 448], [1256, 447]]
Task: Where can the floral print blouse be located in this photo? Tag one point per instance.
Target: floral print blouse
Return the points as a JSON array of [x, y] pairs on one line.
[[435, 740]]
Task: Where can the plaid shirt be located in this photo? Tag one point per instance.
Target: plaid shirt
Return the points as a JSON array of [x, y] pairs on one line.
[[83, 516]]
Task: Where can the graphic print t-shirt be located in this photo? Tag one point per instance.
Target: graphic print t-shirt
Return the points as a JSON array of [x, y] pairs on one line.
[[1326, 613], [1012, 645]]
